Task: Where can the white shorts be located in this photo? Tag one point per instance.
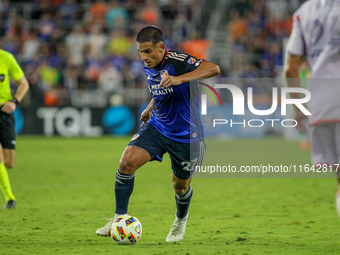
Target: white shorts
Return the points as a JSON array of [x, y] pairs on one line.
[[325, 140]]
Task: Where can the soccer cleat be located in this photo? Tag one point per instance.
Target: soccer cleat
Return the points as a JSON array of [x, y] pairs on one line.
[[10, 204], [178, 229], [106, 230]]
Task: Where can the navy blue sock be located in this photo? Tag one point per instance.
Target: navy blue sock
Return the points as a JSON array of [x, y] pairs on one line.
[[183, 202], [123, 191]]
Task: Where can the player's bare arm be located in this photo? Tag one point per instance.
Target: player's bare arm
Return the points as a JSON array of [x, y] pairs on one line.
[[146, 114], [205, 70], [23, 88], [293, 80]]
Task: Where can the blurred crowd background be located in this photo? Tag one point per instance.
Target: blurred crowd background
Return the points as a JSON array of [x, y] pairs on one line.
[[72, 49]]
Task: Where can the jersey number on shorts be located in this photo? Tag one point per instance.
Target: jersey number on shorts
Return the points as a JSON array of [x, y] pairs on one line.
[[189, 165]]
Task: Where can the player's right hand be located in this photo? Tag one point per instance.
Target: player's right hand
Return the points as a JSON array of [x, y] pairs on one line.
[[145, 116], [300, 118], [8, 107]]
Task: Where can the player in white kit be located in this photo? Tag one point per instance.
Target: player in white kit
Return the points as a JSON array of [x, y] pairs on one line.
[[316, 36]]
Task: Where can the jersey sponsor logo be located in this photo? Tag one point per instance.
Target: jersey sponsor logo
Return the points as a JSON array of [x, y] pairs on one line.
[[154, 82], [159, 91], [194, 135], [135, 137], [191, 61], [2, 77]]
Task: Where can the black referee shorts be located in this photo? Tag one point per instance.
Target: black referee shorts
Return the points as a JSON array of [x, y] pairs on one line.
[[7, 130]]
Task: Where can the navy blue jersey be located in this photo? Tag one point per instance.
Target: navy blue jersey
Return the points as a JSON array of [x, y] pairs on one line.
[[175, 111]]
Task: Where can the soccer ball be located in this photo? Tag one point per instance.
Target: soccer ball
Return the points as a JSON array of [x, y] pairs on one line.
[[126, 229]]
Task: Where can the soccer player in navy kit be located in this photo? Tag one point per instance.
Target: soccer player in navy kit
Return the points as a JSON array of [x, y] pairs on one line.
[[171, 124]]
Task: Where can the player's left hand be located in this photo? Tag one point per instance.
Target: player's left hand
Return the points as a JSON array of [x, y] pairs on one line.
[[8, 107], [168, 81]]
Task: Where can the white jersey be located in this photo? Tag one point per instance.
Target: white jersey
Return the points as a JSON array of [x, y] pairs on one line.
[[316, 35]]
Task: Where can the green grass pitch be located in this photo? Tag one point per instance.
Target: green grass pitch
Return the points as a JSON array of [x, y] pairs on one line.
[[65, 186]]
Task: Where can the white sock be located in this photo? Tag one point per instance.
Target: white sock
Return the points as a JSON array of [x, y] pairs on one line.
[[337, 203]]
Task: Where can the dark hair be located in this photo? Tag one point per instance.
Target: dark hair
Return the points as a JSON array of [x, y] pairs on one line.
[[150, 34]]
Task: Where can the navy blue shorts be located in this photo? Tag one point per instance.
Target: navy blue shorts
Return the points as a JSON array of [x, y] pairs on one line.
[[185, 157]]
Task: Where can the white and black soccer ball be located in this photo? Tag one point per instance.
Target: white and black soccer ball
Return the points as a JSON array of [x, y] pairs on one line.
[[126, 229]]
